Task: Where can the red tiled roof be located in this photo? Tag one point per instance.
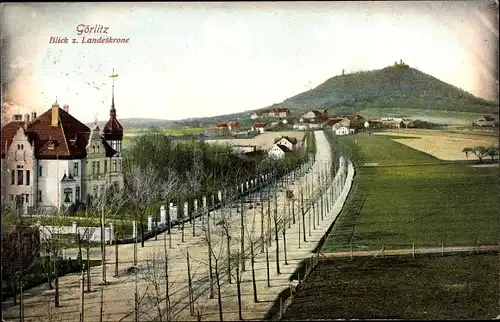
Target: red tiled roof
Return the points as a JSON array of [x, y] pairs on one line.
[[67, 140], [332, 121], [259, 124], [113, 130], [227, 124]]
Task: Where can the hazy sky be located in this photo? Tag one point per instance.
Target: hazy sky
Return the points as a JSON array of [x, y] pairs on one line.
[[203, 59]]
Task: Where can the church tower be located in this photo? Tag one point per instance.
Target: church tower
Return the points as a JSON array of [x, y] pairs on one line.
[[113, 130]]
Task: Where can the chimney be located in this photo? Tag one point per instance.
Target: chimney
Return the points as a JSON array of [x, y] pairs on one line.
[[342, 72], [26, 120], [55, 114], [17, 117], [33, 116], [66, 108]]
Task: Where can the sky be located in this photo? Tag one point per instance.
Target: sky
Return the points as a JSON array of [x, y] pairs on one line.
[[193, 59]]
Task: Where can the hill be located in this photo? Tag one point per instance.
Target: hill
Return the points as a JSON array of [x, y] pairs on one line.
[[388, 88], [397, 90]]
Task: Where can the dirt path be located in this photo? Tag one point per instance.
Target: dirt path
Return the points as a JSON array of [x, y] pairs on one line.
[[416, 251], [118, 293]]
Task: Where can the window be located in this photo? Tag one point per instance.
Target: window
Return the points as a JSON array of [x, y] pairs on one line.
[[40, 171], [98, 166], [75, 169], [93, 167], [119, 164], [39, 195], [27, 198], [98, 149], [93, 149], [28, 172], [19, 147], [68, 194], [77, 193], [22, 146], [105, 166], [13, 177], [94, 190], [20, 177], [114, 165]]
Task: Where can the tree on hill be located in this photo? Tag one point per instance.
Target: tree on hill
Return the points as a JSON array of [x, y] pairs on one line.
[[480, 152], [492, 152], [467, 151]]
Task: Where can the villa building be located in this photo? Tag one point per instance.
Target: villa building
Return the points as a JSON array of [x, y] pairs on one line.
[[55, 161]]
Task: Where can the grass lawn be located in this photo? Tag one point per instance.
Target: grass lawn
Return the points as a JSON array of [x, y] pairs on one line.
[[426, 288], [412, 197]]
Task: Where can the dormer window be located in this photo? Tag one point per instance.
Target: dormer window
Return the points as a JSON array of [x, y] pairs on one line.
[[51, 145], [97, 149], [93, 149]]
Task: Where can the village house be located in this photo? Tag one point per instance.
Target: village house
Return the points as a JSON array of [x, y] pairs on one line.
[[300, 126], [289, 142], [340, 129], [314, 117], [47, 160], [272, 112], [260, 127], [486, 121], [332, 121], [227, 127], [278, 151]]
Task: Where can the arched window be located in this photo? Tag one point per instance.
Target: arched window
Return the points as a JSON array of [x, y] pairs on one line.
[[22, 146], [19, 147], [97, 149], [93, 149]]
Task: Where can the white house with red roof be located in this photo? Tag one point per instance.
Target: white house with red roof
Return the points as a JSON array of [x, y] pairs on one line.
[[260, 127]]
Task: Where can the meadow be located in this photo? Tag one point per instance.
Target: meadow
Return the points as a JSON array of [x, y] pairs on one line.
[[425, 288], [402, 196], [444, 145]]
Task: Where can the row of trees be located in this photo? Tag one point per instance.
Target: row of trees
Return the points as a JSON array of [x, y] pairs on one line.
[[233, 240], [481, 152], [151, 179]]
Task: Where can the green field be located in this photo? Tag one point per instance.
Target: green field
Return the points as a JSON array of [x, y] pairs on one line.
[[412, 197], [424, 288]]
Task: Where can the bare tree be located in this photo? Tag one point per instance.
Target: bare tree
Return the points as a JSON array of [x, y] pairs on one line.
[[252, 238], [108, 204], [143, 187], [155, 273], [216, 241], [167, 189], [53, 242]]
